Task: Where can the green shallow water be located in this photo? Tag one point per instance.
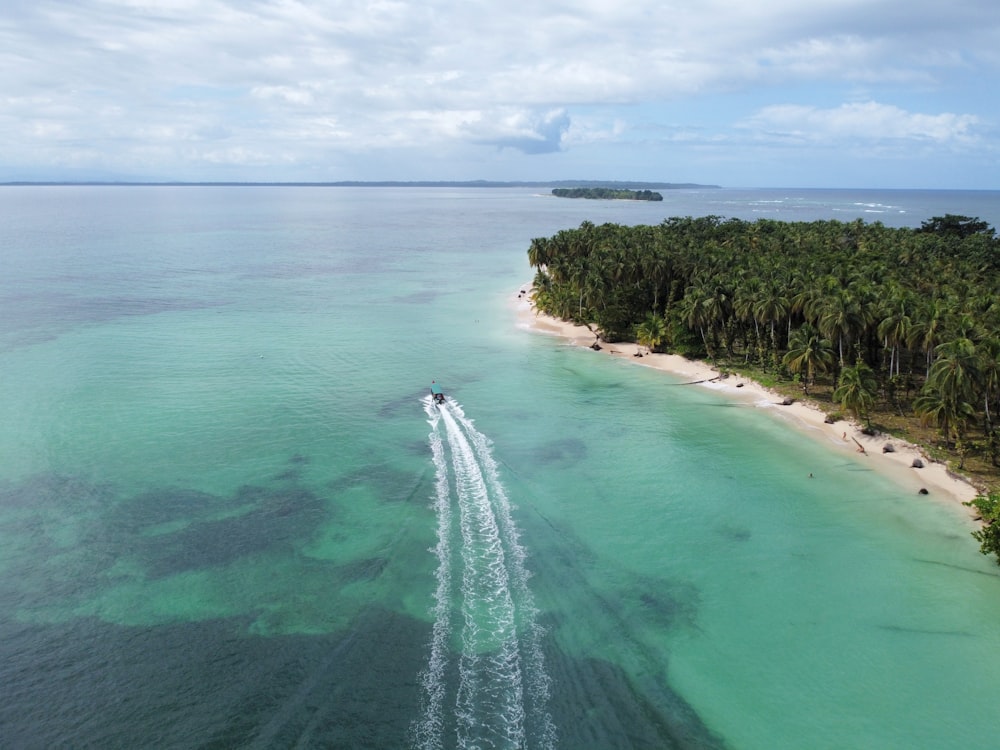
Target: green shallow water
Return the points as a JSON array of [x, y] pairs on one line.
[[217, 497]]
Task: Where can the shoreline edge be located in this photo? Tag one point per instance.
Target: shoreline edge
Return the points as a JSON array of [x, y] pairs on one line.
[[845, 436]]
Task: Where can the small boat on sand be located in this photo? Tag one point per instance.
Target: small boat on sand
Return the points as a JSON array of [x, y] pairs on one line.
[[436, 393]]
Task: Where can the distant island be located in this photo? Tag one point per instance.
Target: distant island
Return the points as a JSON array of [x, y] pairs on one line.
[[606, 193]]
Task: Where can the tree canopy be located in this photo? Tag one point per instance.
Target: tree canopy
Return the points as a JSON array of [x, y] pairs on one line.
[[903, 319], [604, 193]]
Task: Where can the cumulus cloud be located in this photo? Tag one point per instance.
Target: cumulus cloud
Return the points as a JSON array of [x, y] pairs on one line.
[[865, 122], [528, 132], [123, 82]]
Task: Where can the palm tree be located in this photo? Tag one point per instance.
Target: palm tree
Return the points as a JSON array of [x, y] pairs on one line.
[[895, 326], [692, 311], [857, 391], [538, 252], [744, 304], [950, 414], [656, 269], [956, 370], [989, 370], [650, 332], [808, 351], [578, 276], [717, 306], [772, 307], [925, 331], [840, 316]]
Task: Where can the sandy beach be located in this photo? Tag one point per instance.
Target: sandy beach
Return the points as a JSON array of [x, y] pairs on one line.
[[843, 436]]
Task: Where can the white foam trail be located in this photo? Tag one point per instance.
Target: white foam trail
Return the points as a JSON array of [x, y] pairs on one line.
[[502, 695], [429, 732], [538, 680], [489, 706]]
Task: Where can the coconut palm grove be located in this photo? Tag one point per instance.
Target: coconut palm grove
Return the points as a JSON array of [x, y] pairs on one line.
[[900, 328]]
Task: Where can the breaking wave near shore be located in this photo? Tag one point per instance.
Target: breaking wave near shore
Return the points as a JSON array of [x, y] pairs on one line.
[[485, 684]]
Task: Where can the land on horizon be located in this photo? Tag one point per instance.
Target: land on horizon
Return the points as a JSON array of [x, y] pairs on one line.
[[639, 185]]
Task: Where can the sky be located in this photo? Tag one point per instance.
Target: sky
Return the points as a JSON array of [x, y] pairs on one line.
[[777, 93]]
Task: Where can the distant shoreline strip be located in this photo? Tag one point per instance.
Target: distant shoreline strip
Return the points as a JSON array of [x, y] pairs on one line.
[[376, 183]]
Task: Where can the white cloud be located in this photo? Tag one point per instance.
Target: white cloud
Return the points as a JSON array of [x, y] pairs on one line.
[[308, 80], [846, 57], [861, 122], [290, 94], [526, 131]]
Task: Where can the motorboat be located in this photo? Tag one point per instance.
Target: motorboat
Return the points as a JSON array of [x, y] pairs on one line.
[[436, 393]]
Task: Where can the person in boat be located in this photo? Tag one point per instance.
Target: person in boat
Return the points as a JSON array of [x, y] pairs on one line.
[[436, 393]]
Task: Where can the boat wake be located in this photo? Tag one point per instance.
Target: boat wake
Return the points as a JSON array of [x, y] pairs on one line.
[[485, 684]]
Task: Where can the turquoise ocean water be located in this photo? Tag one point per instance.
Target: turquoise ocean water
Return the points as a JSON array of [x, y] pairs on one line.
[[230, 517]]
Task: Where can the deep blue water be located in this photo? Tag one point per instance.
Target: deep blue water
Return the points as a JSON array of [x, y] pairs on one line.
[[229, 518]]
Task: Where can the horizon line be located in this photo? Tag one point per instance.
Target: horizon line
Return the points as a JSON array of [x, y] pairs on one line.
[[622, 184], [364, 183]]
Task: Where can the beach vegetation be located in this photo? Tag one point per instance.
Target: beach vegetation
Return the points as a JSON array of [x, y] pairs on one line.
[[858, 391], [952, 225], [900, 327], [988, 536], [651, 332], [808, 352], [947, 412]]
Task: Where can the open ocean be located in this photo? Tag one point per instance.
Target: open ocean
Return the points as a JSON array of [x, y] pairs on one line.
[[230, 517]]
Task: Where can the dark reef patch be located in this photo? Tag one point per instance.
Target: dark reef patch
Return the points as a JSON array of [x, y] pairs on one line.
[[564, 451], [276, 519], [734, 533], [406, 404], [622, 713], [388, 483], [361, 570], [74, 532], [210, 685]]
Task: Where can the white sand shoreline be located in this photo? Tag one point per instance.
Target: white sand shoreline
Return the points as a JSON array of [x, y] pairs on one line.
[[843, 436]]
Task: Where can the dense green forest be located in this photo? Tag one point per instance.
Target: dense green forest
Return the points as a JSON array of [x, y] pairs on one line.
[[604, 193], [899, 328]]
